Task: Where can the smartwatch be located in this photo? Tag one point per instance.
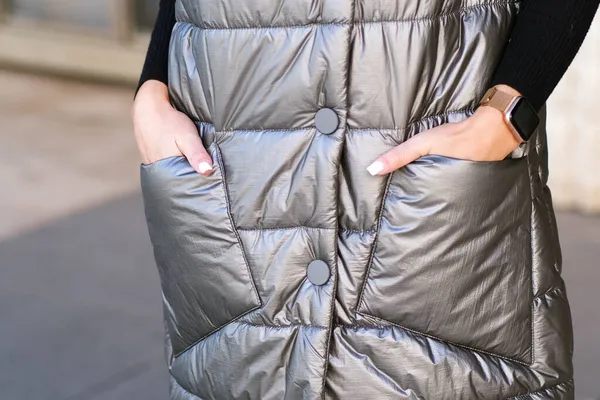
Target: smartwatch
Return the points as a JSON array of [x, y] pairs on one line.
[[519, 114]]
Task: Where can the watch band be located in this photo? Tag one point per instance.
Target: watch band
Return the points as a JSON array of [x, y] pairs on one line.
[[497, 99], [502, 101]]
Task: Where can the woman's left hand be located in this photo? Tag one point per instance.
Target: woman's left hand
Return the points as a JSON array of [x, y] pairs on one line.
[[484, 136]]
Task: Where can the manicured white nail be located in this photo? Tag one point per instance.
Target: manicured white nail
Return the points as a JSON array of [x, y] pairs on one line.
[[375, 168], [204, 166]]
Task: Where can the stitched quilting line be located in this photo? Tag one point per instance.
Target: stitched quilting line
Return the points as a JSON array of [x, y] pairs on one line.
[[370, 231], [214, 331], [550, 388], [296, 227], [461, 10], [240, 244], [531, 271], [461, 111], [375, 242], [350, 22], [287, 326], [285, 228], [385, 323], [237, 321]]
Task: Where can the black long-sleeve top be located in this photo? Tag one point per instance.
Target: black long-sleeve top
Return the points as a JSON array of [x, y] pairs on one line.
[[544, 40]]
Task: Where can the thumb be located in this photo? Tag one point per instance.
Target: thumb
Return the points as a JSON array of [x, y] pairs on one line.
[[401, 155], [190, 144]]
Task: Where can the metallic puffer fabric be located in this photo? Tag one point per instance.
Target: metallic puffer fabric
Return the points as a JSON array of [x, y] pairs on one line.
[[442, 280]]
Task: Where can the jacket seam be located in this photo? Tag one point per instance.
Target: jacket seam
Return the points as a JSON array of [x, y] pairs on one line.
[[357, 231], [241, 130], [386, 323], [383, 325], [211, 333], [287, 326], [460, 10], [428, 18], [463, 110], [237, 235], [375, 242], [284, 228], [237, 321], [549, 388], [531, 261], [295, 227]]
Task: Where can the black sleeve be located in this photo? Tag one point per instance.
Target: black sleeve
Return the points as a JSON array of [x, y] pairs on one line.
[[156, 63], [544, 40]]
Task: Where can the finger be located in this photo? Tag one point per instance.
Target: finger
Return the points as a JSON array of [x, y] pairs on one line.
[[400, 155], [190, 144]]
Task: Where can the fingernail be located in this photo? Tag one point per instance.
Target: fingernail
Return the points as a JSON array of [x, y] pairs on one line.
[[204, 166], [375, 168]]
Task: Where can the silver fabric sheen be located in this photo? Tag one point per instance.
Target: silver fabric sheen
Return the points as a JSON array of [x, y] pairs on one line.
[[445, 275]]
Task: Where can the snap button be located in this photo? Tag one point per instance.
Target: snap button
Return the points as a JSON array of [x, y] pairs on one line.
[[326, 120], [318, 272]]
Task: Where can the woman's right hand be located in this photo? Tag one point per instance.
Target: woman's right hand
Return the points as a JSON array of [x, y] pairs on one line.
[[161, 131]]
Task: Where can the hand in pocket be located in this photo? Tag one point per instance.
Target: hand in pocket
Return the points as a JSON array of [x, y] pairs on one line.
[[161, 131], [484, 136]]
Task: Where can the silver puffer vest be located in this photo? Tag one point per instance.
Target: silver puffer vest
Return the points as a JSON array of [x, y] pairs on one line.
[[290, 272]]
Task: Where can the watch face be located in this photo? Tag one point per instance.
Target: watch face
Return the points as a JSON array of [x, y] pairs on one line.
[[524, 118]]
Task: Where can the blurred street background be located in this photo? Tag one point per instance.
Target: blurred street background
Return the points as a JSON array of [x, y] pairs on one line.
[[80, 307]]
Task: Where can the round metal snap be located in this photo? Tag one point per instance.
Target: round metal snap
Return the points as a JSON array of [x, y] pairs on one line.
[[318, 272], [326, 121]]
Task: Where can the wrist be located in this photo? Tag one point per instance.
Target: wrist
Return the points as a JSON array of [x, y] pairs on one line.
[[486, 116], [152, 96], [491, 123], [508, 89]]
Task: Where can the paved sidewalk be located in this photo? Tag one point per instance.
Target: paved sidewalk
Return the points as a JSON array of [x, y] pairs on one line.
[[79, 293]]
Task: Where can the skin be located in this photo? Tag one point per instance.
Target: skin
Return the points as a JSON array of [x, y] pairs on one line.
[[161, 131]]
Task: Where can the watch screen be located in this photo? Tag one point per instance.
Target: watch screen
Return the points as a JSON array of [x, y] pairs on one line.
[[524, 118]]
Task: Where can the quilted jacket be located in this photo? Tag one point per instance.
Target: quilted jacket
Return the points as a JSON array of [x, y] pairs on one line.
[[290, 273]]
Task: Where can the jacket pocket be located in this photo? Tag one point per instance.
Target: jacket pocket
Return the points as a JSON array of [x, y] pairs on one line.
[[205, 278], [452, 258]]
